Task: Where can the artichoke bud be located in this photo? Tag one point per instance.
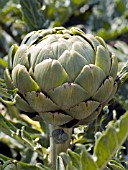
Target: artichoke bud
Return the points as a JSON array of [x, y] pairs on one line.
[[66, 76], [23, 105]]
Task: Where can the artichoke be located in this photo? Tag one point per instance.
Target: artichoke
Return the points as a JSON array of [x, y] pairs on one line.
[[66, 76]]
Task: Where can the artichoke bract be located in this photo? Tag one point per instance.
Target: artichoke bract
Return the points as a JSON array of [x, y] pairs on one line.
[[66, 76]]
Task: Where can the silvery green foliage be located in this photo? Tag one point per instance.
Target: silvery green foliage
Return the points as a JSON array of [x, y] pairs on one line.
[[105, 147]]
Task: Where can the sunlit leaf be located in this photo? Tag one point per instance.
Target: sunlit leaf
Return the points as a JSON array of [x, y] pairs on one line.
[[111, 141]]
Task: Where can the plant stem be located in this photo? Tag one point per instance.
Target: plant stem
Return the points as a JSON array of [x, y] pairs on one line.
[[56, 148]]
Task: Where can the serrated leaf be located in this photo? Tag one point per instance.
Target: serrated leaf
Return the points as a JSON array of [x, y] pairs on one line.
[[21, 135], [32, 14]]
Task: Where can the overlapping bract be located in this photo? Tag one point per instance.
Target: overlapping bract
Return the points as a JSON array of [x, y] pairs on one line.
[[66, 76]]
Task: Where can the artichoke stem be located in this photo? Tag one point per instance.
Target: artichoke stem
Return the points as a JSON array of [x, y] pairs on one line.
[[59, 142]]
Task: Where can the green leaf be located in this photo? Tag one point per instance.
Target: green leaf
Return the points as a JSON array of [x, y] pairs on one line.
[[4, 93], [75, 158], [21, 135], [87, 162], [60, 163], [7, 102], [110, 141], [32, 14], [3, 62], [81, 162], [115, 165], [71, 167], [6, 126], [120, 55], [29, 156], [9, 165], [43, 167], [19, 165]]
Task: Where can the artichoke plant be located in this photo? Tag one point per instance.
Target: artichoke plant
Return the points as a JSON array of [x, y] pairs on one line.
[[66, 76]]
